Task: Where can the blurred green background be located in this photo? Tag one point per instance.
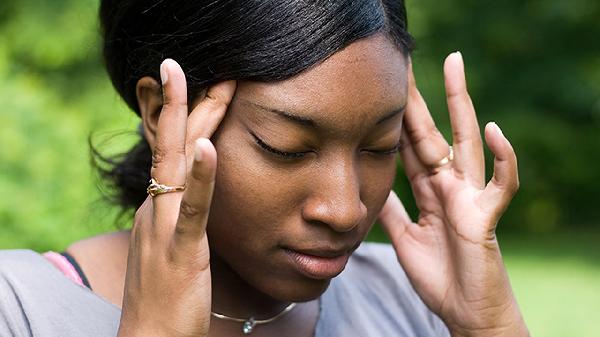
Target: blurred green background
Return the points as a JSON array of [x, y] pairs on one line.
[[533, 67]]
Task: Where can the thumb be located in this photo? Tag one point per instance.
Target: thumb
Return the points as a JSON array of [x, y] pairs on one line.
[[394, 218]]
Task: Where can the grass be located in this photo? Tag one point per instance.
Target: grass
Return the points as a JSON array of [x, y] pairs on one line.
[[559, 297], [556, 279]]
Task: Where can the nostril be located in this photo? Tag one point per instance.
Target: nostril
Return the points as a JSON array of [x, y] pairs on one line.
[[340, 216], [335, 196]]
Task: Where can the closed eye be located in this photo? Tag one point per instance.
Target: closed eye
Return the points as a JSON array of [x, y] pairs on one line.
[[277, 152], [295, 155], [386, 152]]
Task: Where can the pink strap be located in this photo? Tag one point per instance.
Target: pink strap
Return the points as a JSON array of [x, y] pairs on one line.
[[64, 266]]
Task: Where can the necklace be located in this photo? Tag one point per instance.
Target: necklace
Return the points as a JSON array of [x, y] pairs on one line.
[[250, 323]]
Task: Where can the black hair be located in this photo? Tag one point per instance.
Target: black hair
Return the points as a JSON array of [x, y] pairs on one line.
[[260, 40]]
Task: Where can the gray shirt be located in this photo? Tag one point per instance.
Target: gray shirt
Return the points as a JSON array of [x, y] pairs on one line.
[[372, 297]]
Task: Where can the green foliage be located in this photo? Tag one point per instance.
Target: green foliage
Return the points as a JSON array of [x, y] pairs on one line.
[[54, 92], [533, 67]]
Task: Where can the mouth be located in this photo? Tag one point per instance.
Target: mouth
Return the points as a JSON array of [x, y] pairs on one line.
[[318, 264]]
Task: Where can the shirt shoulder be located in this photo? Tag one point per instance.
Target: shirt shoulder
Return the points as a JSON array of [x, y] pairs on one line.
[[36, 299], [373, 297]]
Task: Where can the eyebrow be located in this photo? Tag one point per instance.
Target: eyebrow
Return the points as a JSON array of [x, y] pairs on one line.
[[310, 122], [391, 115]]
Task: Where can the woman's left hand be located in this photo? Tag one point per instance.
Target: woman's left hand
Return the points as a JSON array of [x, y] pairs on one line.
[[451, 254]]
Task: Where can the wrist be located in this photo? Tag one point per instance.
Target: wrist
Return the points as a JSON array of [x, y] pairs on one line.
[[131, 329], [513, 331], [510, 324], [144, 332]]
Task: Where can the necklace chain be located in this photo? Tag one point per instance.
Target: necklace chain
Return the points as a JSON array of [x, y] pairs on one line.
[[250, 323]]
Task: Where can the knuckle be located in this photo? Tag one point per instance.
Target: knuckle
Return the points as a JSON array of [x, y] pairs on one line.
[[173, 102], [217, 102], [462, 95], [509, 187], [420, 134], [516, 186], [159, 156], [414, 133], [189, 211]]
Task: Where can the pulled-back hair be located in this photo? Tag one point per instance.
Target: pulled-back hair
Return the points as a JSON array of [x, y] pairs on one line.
[[215, 40]]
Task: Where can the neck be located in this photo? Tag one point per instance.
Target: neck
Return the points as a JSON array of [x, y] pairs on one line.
[[233, 297]]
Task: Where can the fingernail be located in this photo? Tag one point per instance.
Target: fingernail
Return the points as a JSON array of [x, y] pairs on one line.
[[198, 150], [459, 54], [164, 76], [498, 128]]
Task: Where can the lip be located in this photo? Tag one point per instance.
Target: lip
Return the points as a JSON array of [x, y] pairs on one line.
[[318, 264]]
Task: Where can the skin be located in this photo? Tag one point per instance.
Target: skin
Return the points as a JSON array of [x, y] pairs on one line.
[[329, 197], [207, 250]]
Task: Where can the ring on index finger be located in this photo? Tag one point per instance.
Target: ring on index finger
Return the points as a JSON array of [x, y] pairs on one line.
[[156, 188], [444, 161]]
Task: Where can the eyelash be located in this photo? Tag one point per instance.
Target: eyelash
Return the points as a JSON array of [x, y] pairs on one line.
[[295, 155], [283, 154], [388, 152]]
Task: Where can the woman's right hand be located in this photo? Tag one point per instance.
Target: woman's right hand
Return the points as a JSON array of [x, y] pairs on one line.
[[168, 283]]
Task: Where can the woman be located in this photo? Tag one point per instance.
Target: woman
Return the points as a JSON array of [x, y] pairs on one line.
[[305, 104]]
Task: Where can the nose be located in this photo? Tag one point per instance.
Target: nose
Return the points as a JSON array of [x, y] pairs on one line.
[[335, 198]]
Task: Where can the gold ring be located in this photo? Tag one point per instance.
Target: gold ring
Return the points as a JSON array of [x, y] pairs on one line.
[[155, 188], [447, 159]]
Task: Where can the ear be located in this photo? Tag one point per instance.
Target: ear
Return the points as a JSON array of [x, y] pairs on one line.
[[149, 98]]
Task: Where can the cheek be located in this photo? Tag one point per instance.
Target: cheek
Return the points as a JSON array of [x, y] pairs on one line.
[[257, 206], [256, 200], [377, 179], [255, 209], [251, 203]]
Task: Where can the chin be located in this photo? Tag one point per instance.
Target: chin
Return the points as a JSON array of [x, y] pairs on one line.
[[298, 291]]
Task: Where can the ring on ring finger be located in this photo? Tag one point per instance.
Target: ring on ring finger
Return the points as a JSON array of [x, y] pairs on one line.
[[444, 161], [155, 188]]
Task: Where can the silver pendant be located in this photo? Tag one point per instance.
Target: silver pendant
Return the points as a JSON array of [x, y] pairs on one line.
[[248, 326]]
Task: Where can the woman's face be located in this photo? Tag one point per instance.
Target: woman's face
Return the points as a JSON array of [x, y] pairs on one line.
[[305, 165]]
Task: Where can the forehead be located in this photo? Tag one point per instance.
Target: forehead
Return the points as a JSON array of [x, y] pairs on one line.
[[362, 81]]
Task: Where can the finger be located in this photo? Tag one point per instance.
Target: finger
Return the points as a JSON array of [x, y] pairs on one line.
[[208, 114], [168, 154], [144, 212], [197, 197], [428, 143], [504, 184], [394, 218], [466, 139], [414, 171], [411, 163]]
